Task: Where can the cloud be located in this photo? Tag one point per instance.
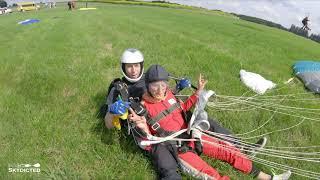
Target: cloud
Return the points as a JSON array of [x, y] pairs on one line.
[[266, 11], [284, 12]]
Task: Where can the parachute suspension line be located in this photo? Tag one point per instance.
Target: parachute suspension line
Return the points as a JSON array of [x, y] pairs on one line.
[[288, 147], [291, 153], [282, 156], [242, 144], [246, 145], [283, 112], [290, 95], [238, 99], [270, 108], [297, 99], [261, 125], [277, 105], [235, 110], [261, 135], [295, 170], [262, 98], [272, 131], [257, 127], [296, 108]]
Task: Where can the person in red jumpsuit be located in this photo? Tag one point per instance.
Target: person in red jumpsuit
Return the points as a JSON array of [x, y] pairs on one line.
[[165, 116]]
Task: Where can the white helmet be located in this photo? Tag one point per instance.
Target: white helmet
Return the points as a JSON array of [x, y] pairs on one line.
[[130, 56]]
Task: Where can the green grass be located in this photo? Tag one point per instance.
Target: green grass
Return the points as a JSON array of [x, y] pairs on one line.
[[54, 76], [145, 3]]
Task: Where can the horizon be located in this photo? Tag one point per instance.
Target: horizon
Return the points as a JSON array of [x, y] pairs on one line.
[[285, 13]]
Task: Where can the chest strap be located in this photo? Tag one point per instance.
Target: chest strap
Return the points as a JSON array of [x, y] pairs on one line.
[[153, 122]]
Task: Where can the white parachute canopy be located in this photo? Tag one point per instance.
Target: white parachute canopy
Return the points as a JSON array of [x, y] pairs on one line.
[[256, 82]]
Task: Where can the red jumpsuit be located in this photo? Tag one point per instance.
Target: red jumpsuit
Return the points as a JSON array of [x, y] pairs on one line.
[[190, 161]]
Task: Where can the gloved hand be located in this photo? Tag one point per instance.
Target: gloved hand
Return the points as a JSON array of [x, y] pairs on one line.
[[183, 83], [119, 107]]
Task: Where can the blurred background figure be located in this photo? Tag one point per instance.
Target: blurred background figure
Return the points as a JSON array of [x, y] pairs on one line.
[[305, 24]]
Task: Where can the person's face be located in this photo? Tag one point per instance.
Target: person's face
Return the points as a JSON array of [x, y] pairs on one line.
[[158, 89], [132, 70]]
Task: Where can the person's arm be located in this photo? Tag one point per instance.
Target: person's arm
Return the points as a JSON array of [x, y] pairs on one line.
[[109, 117], [108, 120], [194, 97], [192, 100]]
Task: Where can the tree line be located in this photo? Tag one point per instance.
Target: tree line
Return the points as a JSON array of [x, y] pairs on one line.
[[294, 29]]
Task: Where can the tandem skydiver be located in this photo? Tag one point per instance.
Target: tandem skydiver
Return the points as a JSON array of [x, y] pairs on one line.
[[127, 92]]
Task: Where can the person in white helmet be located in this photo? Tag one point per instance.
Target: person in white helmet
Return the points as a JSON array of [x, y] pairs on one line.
[[132, 83], [132, 65]]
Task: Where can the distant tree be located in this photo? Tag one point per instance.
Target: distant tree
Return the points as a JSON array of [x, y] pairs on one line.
[[315, 37], [14, 4], [3, 3], [299, 31], [260, 21]]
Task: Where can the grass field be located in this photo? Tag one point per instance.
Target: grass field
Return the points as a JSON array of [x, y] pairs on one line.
[[54, 76]]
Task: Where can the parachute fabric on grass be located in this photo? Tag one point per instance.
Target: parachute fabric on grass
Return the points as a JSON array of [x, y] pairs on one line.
[[29, 21], [85, 9], [309, 73], [256, 82]]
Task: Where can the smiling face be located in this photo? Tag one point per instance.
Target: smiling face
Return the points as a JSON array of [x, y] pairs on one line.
[[133, 70], [158, 89]]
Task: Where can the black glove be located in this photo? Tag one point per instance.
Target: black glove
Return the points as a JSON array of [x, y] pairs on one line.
[[198, 147]]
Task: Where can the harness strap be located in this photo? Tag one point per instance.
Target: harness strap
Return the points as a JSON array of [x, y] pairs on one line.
[[163, 133], [153, 122]]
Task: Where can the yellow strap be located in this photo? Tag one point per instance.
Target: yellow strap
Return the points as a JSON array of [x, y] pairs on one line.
[[116, 122], [124, 116]]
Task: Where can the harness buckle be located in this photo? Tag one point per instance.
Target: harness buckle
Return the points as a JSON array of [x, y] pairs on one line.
[[155, 126]]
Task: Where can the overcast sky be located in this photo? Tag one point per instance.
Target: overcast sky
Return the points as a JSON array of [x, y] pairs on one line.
[[284, 12]]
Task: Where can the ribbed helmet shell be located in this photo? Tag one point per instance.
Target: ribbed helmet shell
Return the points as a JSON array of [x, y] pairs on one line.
[[156, 73]]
